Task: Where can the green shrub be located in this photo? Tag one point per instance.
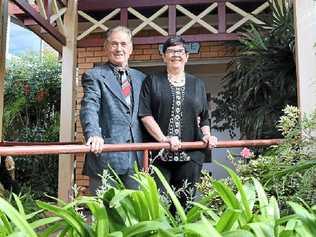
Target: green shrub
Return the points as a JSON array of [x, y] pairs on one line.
[[31, 113], [121, 212], [287, 171], [261, 80]]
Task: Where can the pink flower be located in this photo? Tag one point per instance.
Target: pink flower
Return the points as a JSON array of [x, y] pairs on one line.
[[246, 153]]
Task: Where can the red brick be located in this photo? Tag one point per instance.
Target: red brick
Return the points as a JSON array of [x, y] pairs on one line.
[[151, 51], [94, 49], [208, 54], [195, 55], [85, 54], [99, 53], [202, 44], [82, 177], [205, 49], [93, 60], [143, 46], [214, 48], [80, 157], [85, 65], [138, 51], [79, 165], [81, 60], [82, 182], [142, 57], [155, 57]]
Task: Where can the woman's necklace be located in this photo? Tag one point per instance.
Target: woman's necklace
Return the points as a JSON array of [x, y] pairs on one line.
[[179, 80]]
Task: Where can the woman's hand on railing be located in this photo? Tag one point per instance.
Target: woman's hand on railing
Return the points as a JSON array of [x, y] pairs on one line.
[[175, 143], [210, 140]]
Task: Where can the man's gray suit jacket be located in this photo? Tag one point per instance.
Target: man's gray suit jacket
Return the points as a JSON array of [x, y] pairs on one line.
[[105, 113]]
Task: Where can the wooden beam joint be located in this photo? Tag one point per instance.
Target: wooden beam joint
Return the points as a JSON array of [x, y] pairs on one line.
[[28, 9]]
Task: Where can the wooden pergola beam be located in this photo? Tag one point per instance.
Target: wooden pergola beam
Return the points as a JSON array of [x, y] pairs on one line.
[[63, 2], [221, 17], [15, 10], [48, 8], [99, 5], [172, 20], [68, 95], [97, 42], [49, 39], [3, 44], [28, 9]]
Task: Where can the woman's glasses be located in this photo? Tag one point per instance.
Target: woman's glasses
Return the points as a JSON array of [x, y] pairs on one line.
[[175, 51]]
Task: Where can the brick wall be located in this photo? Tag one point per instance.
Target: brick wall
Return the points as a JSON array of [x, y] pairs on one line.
[[88, 56]]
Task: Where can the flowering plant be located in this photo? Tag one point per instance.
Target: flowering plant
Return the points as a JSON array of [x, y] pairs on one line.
[[246, 153]]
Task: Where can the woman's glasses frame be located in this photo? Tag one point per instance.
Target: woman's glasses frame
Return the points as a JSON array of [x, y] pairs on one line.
[[180, 52]]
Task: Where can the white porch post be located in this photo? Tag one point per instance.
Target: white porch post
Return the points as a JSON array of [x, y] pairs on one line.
[[3, 43], [305, 30], [67, 108]]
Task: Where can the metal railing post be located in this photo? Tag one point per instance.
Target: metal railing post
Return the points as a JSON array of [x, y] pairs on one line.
[[146, 160]]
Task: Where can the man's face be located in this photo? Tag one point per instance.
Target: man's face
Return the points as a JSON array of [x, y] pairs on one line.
[[119, 47], [175, 56]]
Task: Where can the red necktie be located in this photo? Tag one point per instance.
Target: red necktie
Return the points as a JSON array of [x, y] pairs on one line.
[[126, 87]]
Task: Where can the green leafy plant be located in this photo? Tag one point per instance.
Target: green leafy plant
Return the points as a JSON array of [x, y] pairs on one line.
[[31, 113], [288, 171], [248, 211], [261, 80]]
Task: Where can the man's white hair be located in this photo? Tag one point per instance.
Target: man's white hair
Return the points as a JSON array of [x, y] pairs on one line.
[[120, 29]]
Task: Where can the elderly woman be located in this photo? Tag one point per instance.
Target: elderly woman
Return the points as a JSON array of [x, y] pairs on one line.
[[173, 108]]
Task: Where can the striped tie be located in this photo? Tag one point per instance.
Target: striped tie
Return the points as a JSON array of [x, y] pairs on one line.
[[126, 87]]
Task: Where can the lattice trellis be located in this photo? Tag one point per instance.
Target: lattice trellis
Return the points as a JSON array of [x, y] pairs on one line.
[[149, 21], [49, 15], [96, 24], [52, 12], [197, 19], [246, 16], [57, 16]]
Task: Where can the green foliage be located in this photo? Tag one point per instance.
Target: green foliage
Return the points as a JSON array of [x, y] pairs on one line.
[[288, 171], [31, 113], [122, 212], [260, 80], [32, 96]]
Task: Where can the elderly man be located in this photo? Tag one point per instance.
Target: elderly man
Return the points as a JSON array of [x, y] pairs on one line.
[[109, 110]]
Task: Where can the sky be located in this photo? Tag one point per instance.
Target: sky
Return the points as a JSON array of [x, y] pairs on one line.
[[22, 40]]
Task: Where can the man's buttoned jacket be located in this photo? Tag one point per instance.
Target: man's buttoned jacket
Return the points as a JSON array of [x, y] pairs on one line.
[[105, 113]]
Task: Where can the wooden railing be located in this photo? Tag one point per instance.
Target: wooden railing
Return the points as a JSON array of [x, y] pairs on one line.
[[18, 150]]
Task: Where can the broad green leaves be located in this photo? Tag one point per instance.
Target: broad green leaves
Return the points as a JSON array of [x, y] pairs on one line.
[[141, 213]]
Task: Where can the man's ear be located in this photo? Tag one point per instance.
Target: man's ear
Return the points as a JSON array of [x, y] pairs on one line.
[[163, 57]]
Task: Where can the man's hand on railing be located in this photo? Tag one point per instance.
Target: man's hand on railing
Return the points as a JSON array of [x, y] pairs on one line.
[[96, 143], [210, 140]]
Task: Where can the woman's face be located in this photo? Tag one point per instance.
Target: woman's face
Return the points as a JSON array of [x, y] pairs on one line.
[[175, 57]]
